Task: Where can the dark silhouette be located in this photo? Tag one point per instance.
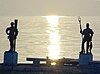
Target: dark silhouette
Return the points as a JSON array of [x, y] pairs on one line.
[[12, 33], [16, 21], [87, 35]]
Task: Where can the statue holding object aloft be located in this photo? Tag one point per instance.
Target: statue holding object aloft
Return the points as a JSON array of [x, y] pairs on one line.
[[87, 35], [12, 33]]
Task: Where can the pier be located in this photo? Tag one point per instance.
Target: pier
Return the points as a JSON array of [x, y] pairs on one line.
[[20, 68], [27, 68]]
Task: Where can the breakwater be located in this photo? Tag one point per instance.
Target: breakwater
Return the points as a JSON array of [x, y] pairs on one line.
[[42, 69]]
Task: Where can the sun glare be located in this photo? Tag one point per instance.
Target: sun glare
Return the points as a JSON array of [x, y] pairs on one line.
[[53, 63], [52, 20], [54, 37]]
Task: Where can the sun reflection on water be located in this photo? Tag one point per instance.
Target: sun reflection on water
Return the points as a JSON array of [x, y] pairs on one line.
[[54, 37]]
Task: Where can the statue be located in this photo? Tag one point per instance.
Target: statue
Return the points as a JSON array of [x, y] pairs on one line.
[[87, 35], [12, 33]]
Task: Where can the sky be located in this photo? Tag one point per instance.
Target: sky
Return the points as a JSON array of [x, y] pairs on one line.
[[49, 7]]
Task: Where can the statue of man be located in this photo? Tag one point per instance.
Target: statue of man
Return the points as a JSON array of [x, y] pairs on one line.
[[12, 33], [87, 37]]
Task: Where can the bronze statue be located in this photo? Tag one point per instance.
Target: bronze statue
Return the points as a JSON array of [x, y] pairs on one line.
[[12, 33], [87, 35]]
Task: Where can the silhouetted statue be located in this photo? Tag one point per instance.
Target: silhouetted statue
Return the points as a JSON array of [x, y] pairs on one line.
[[87, 35], [12, 33]]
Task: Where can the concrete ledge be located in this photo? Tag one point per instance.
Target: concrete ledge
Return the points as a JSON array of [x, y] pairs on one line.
[[85, 59], [10, 58]]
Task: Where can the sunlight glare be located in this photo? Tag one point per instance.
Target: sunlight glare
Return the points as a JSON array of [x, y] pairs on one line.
[[54, 37], [53, 20], [53, 63]]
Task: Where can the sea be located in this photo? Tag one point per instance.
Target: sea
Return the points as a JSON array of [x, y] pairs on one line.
[[52, 36]]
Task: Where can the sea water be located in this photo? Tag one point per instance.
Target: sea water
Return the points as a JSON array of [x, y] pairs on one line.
[[40, 36]]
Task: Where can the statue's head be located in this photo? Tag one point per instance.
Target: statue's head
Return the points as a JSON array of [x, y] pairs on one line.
[[87, 25], [12, 24]]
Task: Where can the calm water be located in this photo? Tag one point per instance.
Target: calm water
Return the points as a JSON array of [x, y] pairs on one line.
[[45, 36]]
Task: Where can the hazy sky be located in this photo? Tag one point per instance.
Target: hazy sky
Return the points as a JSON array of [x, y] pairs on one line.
[[49, 7]]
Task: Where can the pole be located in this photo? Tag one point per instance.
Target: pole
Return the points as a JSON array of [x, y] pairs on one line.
[[79, 19], [16, 22]]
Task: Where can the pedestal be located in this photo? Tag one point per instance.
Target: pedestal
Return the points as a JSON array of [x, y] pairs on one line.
[[10, 58], [85, 59]]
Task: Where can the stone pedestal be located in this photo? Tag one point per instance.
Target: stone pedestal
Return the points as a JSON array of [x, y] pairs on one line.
[[85, 59], [10, 58]]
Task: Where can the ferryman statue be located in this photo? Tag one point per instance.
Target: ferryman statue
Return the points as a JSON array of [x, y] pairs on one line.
[[12, 33], [11, 56], [87, 35]]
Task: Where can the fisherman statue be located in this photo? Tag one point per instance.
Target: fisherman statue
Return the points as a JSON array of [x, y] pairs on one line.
[[87, 35], [12, 33], [11, 56]]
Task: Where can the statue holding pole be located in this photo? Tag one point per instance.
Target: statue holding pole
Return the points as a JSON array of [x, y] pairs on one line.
[[12, 33], [11, 56], [85, 56], [87, 35]]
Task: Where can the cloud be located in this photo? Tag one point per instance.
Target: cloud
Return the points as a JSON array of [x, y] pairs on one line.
[[49, 7]]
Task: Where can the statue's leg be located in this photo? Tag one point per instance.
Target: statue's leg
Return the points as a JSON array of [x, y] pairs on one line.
[[11, 44], [83, 51], [14, 44], [87, 47], [91, 47]]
